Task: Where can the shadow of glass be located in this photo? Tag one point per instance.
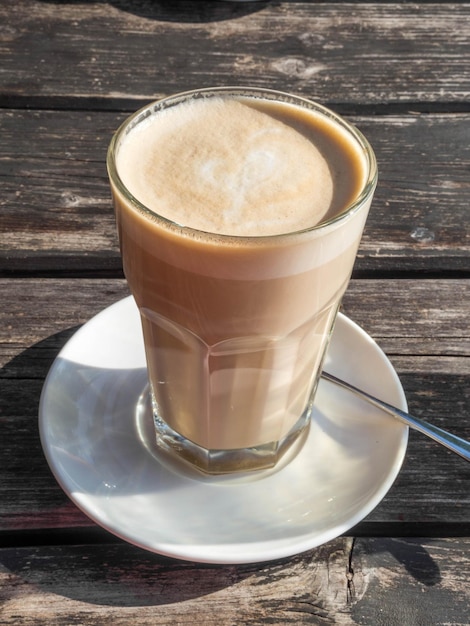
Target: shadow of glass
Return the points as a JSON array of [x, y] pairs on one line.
[[195, 11], [405, 570], [417, 561], [409, 552]]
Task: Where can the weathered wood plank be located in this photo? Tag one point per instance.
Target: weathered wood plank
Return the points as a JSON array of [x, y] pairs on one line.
[[56, 214], [431, 357], [411, 582], [120, 53], [413, 317], [422, 318], [369, 581]]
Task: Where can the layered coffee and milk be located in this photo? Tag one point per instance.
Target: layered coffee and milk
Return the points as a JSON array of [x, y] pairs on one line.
[[236, 257]]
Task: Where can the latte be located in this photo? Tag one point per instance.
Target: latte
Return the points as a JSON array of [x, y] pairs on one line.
[[238, 241]]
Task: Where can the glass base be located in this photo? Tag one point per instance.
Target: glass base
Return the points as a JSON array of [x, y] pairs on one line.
[[227, 461]]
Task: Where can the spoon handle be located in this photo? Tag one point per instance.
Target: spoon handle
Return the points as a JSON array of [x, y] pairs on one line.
[[452, 442]]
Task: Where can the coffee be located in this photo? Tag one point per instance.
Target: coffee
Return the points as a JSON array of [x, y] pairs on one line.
[[239, 170], [237, 280]]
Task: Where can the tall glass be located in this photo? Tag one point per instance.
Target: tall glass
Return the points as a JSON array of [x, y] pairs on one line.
[[236, 327]]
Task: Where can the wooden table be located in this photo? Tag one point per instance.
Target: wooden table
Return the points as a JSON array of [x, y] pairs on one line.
[[70, 72]]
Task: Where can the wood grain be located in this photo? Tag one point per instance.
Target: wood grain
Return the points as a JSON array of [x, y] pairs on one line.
[[425, 319], [353, 55], [57, 219], [343, 582]]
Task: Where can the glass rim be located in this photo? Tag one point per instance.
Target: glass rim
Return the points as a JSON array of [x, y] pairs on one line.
[[161, 104]]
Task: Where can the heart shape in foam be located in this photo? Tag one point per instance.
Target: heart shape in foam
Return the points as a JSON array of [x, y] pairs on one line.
[[223, 166]]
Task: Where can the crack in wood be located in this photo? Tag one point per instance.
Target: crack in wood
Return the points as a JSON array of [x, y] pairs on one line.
[[350, 588]]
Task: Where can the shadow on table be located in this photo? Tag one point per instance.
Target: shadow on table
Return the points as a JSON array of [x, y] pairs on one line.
[[38, 501], [408, 553], [407, 586], [118, 575], [192, 11], [121, 575]]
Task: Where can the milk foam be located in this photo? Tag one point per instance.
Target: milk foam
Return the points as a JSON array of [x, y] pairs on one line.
[[221, 166]]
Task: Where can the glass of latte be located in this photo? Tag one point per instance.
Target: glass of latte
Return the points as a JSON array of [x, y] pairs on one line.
[[239, 213]]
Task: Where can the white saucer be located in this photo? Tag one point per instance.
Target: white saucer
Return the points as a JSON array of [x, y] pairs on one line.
[[97, 433]]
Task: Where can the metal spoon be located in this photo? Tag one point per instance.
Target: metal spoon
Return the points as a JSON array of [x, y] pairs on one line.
[[452, 442]]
